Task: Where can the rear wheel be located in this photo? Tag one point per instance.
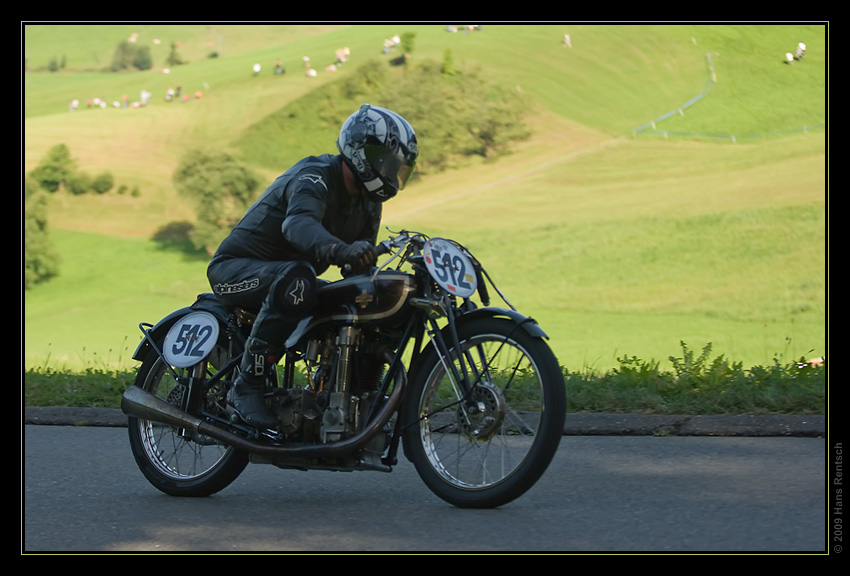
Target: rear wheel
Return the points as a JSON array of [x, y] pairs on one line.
[[490, 451], [181, 462]]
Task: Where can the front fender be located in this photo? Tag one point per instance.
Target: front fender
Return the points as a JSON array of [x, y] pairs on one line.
[[206, 302], [529, 324]]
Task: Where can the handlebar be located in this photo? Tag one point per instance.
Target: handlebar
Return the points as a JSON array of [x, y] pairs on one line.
[[382, 248], [404, 238]]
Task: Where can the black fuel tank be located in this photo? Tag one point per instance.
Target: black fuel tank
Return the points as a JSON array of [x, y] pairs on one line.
[[364, 299]]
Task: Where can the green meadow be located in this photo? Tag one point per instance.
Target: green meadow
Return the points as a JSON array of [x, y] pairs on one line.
[[619, 244]]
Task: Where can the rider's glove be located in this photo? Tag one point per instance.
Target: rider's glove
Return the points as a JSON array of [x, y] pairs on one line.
[[360, 255]]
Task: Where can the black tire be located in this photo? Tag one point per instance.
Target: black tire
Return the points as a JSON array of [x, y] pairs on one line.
[[487, 459], [179, 462]]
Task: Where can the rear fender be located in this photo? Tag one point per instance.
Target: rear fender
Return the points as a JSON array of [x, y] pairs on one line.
[[206, 302]]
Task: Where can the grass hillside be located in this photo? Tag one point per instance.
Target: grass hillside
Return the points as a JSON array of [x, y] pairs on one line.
[[618, 245]]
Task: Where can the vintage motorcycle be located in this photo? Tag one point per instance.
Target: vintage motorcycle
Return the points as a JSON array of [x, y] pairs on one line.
[[398, 357]]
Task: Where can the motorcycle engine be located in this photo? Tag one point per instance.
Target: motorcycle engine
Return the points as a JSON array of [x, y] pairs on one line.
[[338, 396]]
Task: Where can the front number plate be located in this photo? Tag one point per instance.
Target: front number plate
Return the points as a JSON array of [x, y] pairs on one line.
[[450, 267]]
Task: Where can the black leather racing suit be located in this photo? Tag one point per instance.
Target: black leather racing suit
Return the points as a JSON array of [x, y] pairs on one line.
[[270, 260]]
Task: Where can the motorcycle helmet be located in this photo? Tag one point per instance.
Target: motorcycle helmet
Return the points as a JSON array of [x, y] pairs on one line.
[[380, 148]]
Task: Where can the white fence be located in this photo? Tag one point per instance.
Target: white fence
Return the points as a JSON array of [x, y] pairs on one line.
[[651, 127]]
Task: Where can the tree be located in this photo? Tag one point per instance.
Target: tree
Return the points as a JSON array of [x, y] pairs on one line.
[[55, 168], [448, 63], [41, 261], [221, 188], [142, 59], [458, 118], [123, 56], [129, 54], [407, 39], [173, 57]]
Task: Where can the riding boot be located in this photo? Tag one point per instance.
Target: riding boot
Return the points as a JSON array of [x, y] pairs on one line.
[[289, 299], [248, 389]]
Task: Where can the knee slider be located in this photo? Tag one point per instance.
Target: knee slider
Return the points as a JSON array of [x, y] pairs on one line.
[[294, 291]]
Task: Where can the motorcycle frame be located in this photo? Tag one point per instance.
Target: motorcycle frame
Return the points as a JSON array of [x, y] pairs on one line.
[[430, 304]]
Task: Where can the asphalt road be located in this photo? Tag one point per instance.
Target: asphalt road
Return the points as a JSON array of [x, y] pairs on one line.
[[82, 492]]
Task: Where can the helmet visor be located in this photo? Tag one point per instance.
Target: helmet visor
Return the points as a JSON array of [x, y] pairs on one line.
[[395, 169]]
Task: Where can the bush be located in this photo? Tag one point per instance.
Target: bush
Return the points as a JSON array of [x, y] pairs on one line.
[[79, 183], [700, 385], [102, 183], [58, 169]]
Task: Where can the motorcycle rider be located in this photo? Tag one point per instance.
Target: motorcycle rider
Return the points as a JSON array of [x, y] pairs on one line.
[[325, 210]]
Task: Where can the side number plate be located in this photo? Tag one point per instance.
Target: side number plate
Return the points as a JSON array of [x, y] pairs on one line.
[[190, 340]]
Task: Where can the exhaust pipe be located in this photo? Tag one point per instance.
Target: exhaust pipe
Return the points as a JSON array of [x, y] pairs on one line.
[[142, 404]]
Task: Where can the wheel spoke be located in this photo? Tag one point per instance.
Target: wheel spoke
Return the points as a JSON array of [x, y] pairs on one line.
[[480, 447], [169, 453]]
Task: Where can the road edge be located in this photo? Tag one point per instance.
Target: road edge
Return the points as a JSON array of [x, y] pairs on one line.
[[577, 424]]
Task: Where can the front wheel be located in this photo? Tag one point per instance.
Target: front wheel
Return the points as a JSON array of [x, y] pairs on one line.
[[489, 447], [180, 462]]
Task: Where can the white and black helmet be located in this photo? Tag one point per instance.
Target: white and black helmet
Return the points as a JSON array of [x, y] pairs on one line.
[[380, 148]]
